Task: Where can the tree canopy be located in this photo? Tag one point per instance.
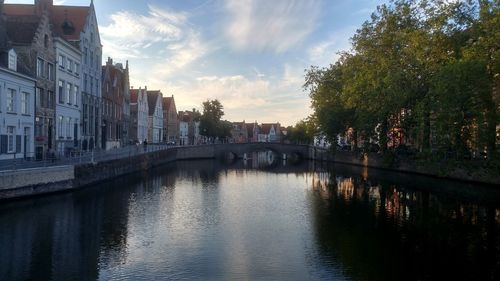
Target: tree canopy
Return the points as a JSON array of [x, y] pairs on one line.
[[420, 73], [211, 124]]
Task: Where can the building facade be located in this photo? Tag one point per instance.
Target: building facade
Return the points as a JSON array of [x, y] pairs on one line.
[[68, 101], [170, 121], [17, 109], [138, 129], [114, 92], [29, 30], [155, 118]]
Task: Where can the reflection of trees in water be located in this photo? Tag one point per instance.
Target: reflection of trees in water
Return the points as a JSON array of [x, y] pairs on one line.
[[386, 232]]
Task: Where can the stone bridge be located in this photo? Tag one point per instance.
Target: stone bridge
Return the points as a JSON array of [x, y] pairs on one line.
[[238, 150]]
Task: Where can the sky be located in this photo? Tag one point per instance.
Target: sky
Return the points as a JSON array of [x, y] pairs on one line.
[[251, 55]]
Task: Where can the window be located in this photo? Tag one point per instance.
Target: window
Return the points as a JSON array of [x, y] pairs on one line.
[[50, 99], [70, 65], [50, 71], [11, 100], [77, 69], [60, 127], [39, 67], [12, 60], [38, 98], [68, 127], [91, 84], [62, 61], [86, 55], [97, 61], [68, 92], [75, 92], [91, 58], [61, 91], [85, 82], [25, 99], [11, 145], [46, 41]]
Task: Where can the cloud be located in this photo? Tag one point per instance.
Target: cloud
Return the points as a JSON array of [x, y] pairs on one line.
[[270, 25], [259, 99], [326, 52]]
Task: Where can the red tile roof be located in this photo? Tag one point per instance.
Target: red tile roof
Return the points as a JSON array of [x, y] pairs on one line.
[[21, 29], [69, 21], [76, 17], [134, 93]]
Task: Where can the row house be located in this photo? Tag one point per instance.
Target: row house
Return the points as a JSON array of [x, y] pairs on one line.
[[139, 112], [29, 31], [115, 94], [189, 128], [44, 35], [155, 116], [68, 102], [239, 132], [170, 120], [17, 92], [269, 132]]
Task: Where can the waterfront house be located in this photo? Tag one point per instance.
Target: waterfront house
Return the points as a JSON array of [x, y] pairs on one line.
[[239, 132], [29, 31], [17, 108], [138, 115], [68, 98], [170, 121], [270, 132], [155, 116], [115, 89]]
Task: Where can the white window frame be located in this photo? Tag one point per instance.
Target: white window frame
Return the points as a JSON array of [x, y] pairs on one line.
[[11, 100], [25, 101], [39, 67], [11, 139]]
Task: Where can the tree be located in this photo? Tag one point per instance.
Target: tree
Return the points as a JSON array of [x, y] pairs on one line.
[[210, 121]]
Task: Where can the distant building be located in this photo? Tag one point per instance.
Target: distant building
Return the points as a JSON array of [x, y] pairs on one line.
[[68, 96], [170, 121], [139, 109], [270, 132], [155, 116], [239, 132], [189, 128], [114, 95]]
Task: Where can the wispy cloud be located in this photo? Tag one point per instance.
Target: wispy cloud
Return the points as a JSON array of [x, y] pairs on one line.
[[327, 51], [270, 25]]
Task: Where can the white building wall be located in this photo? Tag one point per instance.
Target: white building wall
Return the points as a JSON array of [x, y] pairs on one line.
[[90, 79], [17, 126], [68, 97]]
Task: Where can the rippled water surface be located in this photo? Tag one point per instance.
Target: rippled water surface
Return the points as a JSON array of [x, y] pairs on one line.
[[211, 221]]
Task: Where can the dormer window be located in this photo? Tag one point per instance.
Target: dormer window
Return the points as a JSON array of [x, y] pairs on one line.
[[12, 60]]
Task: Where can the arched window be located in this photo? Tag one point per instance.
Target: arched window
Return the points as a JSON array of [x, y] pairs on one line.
[[46, 41]]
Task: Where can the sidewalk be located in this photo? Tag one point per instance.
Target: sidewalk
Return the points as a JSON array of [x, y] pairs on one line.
[[80, 158]]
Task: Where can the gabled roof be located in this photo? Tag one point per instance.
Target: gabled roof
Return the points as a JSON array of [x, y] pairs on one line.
[[266, 128], [19, 9], [69, 21], [22, 29], [152, 98], [167, 101], [134, 93]]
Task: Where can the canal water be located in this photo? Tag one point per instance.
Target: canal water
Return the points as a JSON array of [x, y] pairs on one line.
[[260, 219]]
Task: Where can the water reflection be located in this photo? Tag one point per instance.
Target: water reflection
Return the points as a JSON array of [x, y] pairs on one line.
[[256, 220]]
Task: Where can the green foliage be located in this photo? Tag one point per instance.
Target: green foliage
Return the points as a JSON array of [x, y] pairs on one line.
[[427, 68], [303, 132], [211, 124]]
